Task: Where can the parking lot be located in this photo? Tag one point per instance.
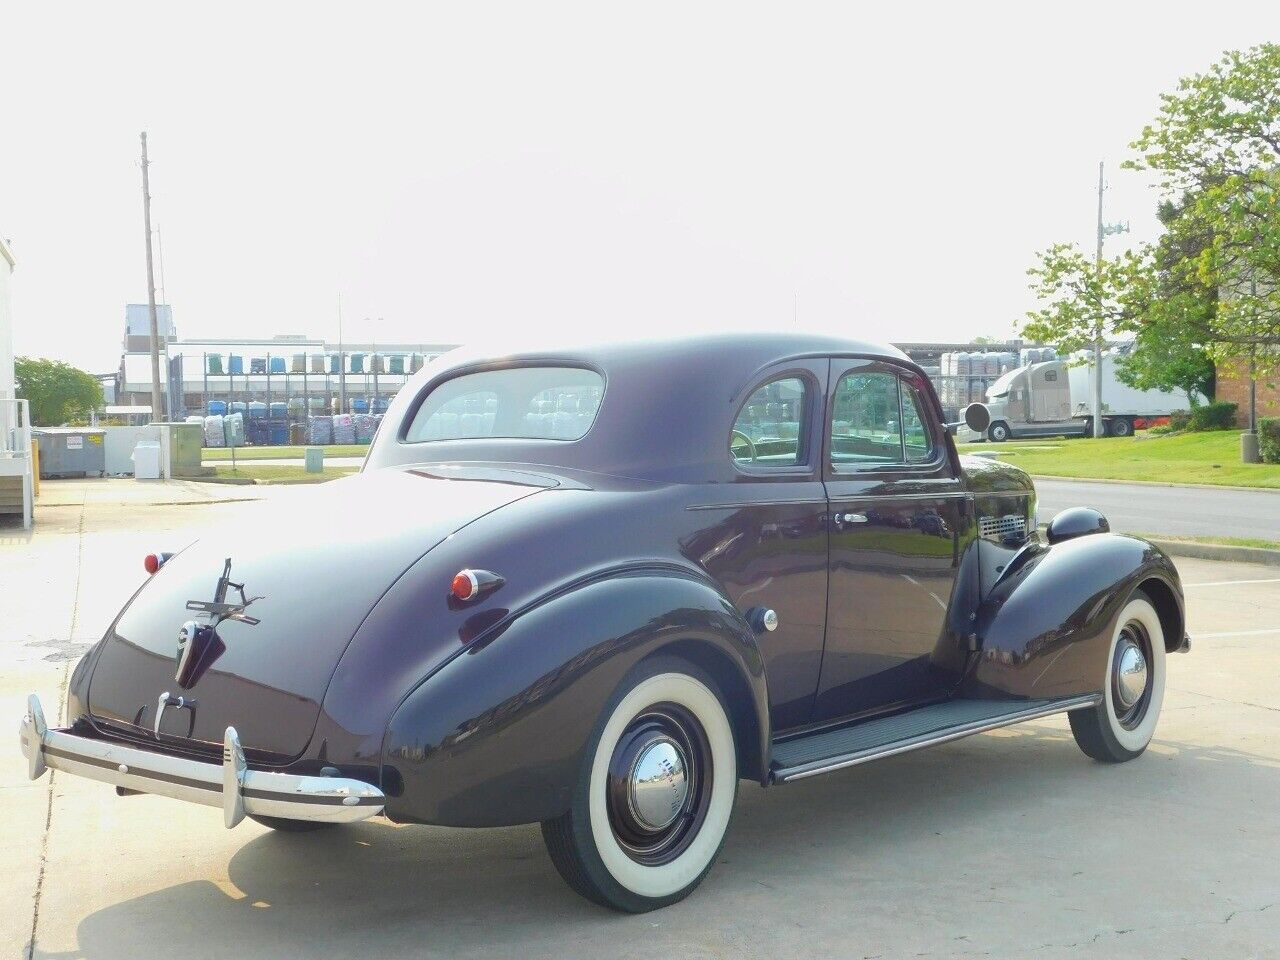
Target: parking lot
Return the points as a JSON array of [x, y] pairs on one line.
[[1010, 844]]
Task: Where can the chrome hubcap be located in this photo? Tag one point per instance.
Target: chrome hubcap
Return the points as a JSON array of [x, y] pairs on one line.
[[658, 788], [1131, 674], [658, 785]]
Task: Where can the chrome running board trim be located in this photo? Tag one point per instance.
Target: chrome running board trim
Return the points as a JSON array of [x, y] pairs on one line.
[[813, 768]]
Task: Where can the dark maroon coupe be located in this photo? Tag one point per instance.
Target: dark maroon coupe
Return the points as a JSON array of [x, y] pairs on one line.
[[595, 587]]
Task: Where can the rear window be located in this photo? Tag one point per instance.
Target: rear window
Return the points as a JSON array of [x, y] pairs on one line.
[[530, 403]]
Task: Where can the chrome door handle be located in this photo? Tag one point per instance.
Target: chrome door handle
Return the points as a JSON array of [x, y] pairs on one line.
[[839, 520]]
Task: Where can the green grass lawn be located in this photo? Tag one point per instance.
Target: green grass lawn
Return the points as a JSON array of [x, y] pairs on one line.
[[283, 453], [281, 473], [1211, 457]]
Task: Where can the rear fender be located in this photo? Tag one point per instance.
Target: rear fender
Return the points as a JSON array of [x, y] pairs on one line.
[[1045, 628], [497, 736]]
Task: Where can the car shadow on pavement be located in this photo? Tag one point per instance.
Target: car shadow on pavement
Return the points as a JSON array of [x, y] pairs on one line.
[[857, 841]]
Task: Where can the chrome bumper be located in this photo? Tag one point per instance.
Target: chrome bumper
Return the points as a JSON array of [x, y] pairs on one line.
[[232, 785]]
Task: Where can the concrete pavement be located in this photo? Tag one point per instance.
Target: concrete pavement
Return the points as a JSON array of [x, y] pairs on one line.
[[1010, 844], [1150, 508]]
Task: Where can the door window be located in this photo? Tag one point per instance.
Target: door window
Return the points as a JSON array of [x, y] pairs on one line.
[[770, 427], [879, 419]]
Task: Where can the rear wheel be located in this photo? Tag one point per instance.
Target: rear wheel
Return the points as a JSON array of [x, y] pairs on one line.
[[1120, 428], [998, 432], [649, 811], [1120, 727]]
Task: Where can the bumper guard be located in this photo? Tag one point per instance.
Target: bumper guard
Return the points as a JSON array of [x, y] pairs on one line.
[[232, 785]]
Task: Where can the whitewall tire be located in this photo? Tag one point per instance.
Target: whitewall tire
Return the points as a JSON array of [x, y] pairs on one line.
[[1120, 727], [652, 804]]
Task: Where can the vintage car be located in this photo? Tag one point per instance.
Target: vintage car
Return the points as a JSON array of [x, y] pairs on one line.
[[596, 587]]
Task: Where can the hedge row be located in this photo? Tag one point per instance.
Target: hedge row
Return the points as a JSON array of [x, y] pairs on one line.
[[1216, 415], [1269, 439]]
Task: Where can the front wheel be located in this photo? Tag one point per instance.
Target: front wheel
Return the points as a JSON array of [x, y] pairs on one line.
[[1120, 727], [649, 811], [998, 432]]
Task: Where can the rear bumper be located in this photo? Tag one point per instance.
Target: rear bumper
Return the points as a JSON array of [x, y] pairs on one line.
[[230, 785]]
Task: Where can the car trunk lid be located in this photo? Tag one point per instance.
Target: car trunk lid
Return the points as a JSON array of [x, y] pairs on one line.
[[313, 571]]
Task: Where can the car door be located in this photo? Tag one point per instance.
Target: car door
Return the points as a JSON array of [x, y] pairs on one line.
[[895, 507], [763, 536]]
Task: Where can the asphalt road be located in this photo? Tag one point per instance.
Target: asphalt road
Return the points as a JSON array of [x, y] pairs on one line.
[[1006, 845], [1149, 508]]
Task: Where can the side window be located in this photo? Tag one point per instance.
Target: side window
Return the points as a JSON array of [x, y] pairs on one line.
[[1050, 376], [917, 437], [866, 425], [770, 427]]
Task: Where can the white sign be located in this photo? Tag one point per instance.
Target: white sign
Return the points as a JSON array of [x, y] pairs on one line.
[[75, 443]]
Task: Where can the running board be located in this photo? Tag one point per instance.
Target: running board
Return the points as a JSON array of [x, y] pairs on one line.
[[829, 750]]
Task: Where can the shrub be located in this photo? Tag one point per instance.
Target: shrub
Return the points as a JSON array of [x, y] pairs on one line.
[[1269, 439], [1179, 419], [1216, 415]]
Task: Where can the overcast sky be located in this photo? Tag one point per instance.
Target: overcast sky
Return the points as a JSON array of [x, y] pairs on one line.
[[880, 170]]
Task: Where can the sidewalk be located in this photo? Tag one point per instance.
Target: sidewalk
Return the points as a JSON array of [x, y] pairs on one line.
[[126, 491]]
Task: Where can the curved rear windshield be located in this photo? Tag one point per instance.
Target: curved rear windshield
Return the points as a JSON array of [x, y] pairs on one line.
[[530, 403]]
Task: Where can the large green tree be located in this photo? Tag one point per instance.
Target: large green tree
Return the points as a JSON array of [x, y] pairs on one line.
[[57, 392], [1216, 142], [1170, 335], [1083, 301]]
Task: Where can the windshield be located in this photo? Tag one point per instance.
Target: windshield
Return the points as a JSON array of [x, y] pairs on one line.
[[532, 403], [1000, 388]]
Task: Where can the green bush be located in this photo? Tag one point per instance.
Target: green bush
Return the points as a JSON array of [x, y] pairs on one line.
[[1269, 439], [1216, 415], [1179, 419]]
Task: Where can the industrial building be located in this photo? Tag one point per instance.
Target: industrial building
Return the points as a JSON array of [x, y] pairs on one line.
[[276, 381]]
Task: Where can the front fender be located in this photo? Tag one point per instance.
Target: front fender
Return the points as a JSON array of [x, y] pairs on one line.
[[497, 736], [1045, 627]]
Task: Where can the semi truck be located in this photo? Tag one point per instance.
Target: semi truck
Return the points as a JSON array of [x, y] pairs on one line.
[[1055, 399]]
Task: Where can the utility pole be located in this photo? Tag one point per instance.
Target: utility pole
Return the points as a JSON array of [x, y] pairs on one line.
[[157, 409], [1104, 229], [169, 409], [342, 364], [1097, 338]]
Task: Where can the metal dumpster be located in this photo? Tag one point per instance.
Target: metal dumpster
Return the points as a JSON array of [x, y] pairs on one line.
[[71, 451]]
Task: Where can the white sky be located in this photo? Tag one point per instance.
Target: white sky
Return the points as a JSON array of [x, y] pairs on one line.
[[881, 170]]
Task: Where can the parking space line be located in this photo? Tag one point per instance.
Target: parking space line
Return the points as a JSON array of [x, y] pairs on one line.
[[1230, 583], [1237, 633]]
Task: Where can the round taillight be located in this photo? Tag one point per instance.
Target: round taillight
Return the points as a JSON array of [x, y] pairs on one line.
[[465, 586], [151, 562]]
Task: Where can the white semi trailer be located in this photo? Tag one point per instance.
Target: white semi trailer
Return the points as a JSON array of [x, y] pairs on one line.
[[1055, 399]]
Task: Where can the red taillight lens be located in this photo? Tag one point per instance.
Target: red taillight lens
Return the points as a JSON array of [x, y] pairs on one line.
[[464, 585], [151, 562]]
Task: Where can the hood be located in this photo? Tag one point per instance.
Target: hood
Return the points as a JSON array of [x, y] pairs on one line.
[[313, 571], [989, 475]]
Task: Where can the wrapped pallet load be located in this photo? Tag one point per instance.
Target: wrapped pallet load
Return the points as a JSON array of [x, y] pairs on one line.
[[317, 363], [299, 364], [214, 431], [344, 428], [320, 430], [364, 427]]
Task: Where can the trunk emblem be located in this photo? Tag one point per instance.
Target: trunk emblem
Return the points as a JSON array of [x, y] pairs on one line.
[[198, 642]]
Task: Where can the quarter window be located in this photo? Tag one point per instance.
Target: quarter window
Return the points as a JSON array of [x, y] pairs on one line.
[[770, 427]]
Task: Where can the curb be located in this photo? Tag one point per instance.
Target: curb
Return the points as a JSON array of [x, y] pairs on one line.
[[1157, 483], [1219, 551]]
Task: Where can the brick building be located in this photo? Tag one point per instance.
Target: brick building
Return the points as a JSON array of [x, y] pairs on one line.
[[1233, 386]]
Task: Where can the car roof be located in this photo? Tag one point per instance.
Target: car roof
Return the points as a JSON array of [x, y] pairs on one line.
[[666, 410]]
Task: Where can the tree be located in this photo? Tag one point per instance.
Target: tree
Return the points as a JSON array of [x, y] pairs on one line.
[[1216, 141], [56, 391], [1169, 344], [1084, 301]]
